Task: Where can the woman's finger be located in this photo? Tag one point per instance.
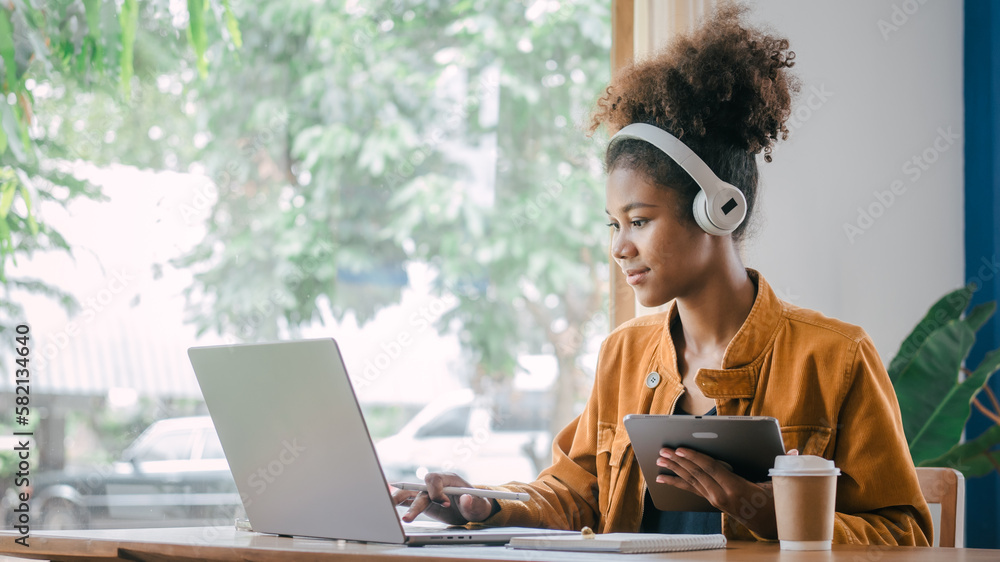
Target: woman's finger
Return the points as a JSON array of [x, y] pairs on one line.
[[669, 461], [676, 482], [418, 505], [709, 473], [402, 497]]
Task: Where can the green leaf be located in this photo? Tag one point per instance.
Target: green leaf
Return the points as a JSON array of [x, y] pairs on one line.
[[3, 137], [232, 25], [129, 19], [11, 126], [93, 39], [31, 216], [948, 308], [931, 375], [944, 427], [989, 365], [6, 248], [57, 239], [974, 458], [980, 314], [93, 11], [7, 198], [22, 127], [39, 287], [197, 34], [7, 51]]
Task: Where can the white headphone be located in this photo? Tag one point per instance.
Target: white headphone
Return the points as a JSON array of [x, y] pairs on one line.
[[719, 207]]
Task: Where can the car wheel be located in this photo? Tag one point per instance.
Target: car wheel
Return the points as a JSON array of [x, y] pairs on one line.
[[60, 514]]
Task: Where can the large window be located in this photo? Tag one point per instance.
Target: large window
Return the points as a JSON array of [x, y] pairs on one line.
[[411, 178]]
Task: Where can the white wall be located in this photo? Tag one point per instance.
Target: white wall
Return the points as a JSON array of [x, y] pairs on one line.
[[885, 97]]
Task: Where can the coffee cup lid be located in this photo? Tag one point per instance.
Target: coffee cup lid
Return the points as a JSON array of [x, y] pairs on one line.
[[803, 465]]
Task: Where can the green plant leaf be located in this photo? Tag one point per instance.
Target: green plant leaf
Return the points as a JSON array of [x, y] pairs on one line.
[[7, 51], [944, 427], [989, 365], [129, 20], [93, 39], [6, 248], [7, 192], [22, 127], [980, 314], [39, 287], [57, 239], [197, 34], [974, 458], [232, 25], [946, 309], [31, 216], [931, 375], [93, 11], [9, 124]]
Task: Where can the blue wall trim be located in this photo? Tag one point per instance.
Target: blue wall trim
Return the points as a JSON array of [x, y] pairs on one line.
[[982, 231]]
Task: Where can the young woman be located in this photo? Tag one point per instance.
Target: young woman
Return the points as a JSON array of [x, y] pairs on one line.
[[727, 344]]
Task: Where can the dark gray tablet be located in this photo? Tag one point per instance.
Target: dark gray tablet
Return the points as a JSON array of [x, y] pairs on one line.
[[746, 443]]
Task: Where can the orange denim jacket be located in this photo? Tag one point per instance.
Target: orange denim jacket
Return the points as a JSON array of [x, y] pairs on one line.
[[821, 378]]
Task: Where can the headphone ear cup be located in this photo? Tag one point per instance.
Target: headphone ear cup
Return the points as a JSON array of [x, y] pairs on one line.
[[701, 215]]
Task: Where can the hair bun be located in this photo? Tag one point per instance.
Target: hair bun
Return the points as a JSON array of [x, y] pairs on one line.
[[724, 83]]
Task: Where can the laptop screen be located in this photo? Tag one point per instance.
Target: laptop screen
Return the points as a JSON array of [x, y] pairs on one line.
[[296, 440]]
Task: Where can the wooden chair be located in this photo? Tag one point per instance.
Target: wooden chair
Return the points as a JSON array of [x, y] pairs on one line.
[[945, 486]]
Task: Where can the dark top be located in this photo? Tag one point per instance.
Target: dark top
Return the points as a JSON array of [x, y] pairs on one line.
[[679, 522]]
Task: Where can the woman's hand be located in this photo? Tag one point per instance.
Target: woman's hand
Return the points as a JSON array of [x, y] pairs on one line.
[[750, 504], [454, 510]]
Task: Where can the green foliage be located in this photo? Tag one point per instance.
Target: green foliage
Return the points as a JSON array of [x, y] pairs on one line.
[[383, 187], [62, 47], [197, 34], [935, 404], [974, 458], [336, 144], [129, 19], [947, 309], [7, 51], [232, 26]]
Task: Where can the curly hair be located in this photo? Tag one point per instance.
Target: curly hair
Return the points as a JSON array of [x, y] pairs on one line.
[[723, 89]]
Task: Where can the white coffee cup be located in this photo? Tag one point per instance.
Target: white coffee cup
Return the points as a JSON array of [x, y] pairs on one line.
[[805, 497]]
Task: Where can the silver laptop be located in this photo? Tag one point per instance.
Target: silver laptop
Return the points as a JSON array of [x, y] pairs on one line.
[[299, 449]]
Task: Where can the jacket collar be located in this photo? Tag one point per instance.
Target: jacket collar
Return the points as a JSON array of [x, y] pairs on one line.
[[741, 362]]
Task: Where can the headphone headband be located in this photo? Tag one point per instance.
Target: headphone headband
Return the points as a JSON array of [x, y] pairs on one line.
[[719, 208]]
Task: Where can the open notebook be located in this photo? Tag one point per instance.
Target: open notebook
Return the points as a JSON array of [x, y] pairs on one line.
[[629, 543]]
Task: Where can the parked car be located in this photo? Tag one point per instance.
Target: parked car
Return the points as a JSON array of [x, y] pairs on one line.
[[173, 474], [484, 442]]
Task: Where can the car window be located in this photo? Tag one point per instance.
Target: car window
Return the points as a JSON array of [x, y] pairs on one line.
[[450, 423], [212, 448], [170, 446]]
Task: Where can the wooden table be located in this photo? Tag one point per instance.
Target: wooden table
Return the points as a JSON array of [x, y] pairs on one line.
[[226, 543]]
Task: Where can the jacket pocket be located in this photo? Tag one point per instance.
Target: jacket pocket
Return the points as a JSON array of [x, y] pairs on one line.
[[808, 439], [612, 446], [605, 437]]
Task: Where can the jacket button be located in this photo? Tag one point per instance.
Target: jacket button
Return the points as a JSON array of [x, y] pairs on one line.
[[652, 379]]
